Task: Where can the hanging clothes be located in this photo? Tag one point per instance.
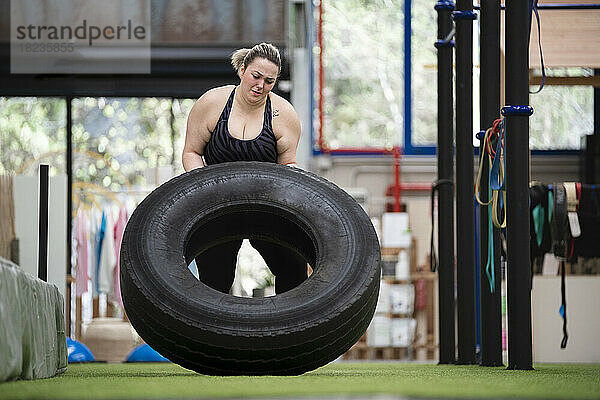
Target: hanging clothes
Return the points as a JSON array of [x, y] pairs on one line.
[[99, 240], [118, 235], [107, 258], [73, 259], [81, 239], [93, 245]]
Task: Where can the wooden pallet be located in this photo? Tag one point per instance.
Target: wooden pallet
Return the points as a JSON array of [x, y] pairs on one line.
[[365, 352]]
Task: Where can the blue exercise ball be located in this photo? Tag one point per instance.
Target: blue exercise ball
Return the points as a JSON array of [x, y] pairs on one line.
[[78, 352], [145, 353]]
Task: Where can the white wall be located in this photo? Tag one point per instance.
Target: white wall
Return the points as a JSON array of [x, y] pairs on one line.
[[26, 226], [583, 319], [376, 173]]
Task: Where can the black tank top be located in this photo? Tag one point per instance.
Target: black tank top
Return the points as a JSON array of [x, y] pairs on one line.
[[222, 147]]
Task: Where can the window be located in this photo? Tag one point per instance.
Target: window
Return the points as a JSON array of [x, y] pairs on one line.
[[364, 83], [32, 129], [562, 114], [117, 140], [424, 74], [364, 78]]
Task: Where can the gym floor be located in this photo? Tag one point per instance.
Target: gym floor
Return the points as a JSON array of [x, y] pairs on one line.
[[336, 380]]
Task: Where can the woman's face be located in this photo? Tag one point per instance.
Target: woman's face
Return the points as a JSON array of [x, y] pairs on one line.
[[258, 79]]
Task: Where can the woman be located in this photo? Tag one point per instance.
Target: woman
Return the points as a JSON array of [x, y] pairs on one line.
[[245, 123], [226, 120]]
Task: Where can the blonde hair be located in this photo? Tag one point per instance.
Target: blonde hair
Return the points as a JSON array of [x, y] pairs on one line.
[[263, 50]]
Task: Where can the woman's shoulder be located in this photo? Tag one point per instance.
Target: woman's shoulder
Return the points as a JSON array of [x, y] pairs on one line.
[[213, 99], [280, 102], [281, 107], [285, 118], [215, 95], [208, 107]]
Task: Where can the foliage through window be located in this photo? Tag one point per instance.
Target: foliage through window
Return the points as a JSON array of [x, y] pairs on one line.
[[115, 140], [562, 114], [364, 82], [32, 129], [364, 74], [364, 67], [424, 74]]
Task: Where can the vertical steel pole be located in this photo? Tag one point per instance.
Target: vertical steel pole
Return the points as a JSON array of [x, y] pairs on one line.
[[43, 223], [446, 191], [491, 313], [465, 224], [517, 185], [69, 163]]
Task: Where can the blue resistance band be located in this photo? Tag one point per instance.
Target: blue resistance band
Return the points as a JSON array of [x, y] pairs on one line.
[[495, 169], [489, 268]]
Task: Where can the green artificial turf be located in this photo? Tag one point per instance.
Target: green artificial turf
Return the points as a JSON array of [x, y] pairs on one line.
[[169, 381]]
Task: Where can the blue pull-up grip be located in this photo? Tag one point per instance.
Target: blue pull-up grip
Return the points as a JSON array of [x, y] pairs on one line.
[[443, 43], [444, 5], [516, 110], [464, 15], [480, 135]]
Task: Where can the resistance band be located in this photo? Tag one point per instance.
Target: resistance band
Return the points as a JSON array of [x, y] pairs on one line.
[[493, 148]]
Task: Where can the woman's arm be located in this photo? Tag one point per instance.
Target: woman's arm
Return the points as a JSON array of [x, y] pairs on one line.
[[197, 133], [286, 126]]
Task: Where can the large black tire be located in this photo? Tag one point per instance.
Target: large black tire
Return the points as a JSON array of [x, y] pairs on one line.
[[219, 334]]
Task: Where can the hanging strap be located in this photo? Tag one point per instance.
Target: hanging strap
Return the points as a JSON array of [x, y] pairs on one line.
[[481, 161], [533, 8], [559, 224], [433, 260], [573, 190], [489, 267], [563, 307]]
